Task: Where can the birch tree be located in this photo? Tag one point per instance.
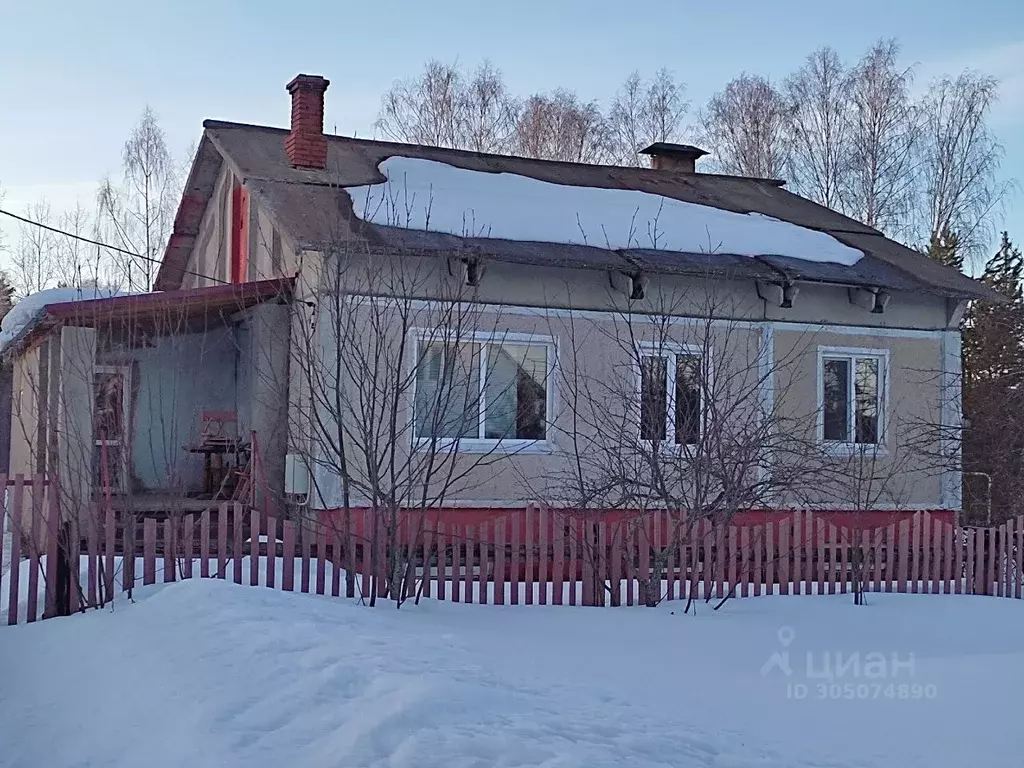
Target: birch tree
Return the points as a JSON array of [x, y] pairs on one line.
[[745, 126], [138, 215], [959, 160], [883, 139], [643, 112], [818, 94]]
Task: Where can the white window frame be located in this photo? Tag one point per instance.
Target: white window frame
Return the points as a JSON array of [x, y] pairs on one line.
[[672, 351], [852, 354], [483, 444]]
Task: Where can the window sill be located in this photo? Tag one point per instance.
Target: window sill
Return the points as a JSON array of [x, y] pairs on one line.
[[476, 445], [866, 450]]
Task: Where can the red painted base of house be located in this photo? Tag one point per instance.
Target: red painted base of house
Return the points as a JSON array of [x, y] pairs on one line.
[[460, 517]]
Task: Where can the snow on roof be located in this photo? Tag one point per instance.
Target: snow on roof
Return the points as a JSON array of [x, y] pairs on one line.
[[29, 309], [437, 197]]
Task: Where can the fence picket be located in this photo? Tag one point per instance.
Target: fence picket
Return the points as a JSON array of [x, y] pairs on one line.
[[904, 555], [304, 536], [336, 566], [500, 526], [515, 560], [720, 556], [288, 556], [1002, 566], [844, 562], [759, 544], [876, 578], [16, 530], [558, 552], [745, 562], [771, 562], [321, 558], [455, 534], [188, 543], [574, 565], [784, 555], [149, 551], [733, 561], [442, 561], [168, 550], [969, 585], [222, 540], [926, 555], [204, 544], [980, 588], [469, 535], [643, 542], [948, 532], [272, 552], [544, 572], [109, 529], [3, 515], [1018, 556], [486, 539], [92, 577], [601, 573], [820, 535], [529, 540], [254, 548], [51, 533]]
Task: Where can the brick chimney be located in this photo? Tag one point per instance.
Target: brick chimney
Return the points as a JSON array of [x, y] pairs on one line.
[[306, 145], [674, 157]]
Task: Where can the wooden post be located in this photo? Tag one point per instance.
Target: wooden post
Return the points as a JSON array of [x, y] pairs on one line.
[[455, 537], [336, 566], [254, 548], [1018, 539], [271, 551], [819, 533], [529, 541], [904, 554], [305, 540], [770, 558], [499, 560], [149, 551], [784, 553], [288, 557], [469, 537], [442, 560], [574, 533], [915, 552], [733, 561]]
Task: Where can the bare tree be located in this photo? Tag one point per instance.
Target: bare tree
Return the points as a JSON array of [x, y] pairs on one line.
[[959, 160], [819, 102], [745, 126], [559, 126], [424, 109], [883, 132], [489, 112], [34, 259], [138, 215], [644, 112], [678, 410]]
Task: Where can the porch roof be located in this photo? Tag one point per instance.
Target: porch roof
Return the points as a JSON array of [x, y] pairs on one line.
[[180, 310]]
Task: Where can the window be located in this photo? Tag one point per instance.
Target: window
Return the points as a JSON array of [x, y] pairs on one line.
[[670, 397], [482, 390], [852, 394], [110, 419]]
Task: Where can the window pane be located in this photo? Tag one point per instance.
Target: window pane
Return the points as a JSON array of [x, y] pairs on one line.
[[653, 398], [687, 414], [867, 400], [515, 392], [836, 389], [448, 391]]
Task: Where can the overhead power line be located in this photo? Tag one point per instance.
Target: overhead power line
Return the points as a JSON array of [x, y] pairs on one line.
[[115, 248]]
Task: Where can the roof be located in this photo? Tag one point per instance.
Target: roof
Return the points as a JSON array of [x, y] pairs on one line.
[[315, 210], [174, 311]]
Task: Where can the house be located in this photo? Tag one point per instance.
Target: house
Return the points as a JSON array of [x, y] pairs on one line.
[[410, 326]]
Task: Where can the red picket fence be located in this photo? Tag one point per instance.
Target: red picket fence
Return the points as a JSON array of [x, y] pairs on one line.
[[530, 556]]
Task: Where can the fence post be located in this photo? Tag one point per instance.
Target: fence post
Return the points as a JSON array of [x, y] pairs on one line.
[[288, 557], [272, 552], [168, 550], [188, 535], [1018, 549], [149, 551], [254, 548], [15, 569]]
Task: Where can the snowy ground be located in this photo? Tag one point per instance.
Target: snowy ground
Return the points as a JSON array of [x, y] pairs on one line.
[[205, 673]]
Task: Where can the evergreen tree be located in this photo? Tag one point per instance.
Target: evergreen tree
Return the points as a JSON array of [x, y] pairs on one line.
[[945, 249], [993, 395], [6, 294]]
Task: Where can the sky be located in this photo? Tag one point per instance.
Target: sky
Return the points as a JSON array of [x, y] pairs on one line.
[[75, 77]]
